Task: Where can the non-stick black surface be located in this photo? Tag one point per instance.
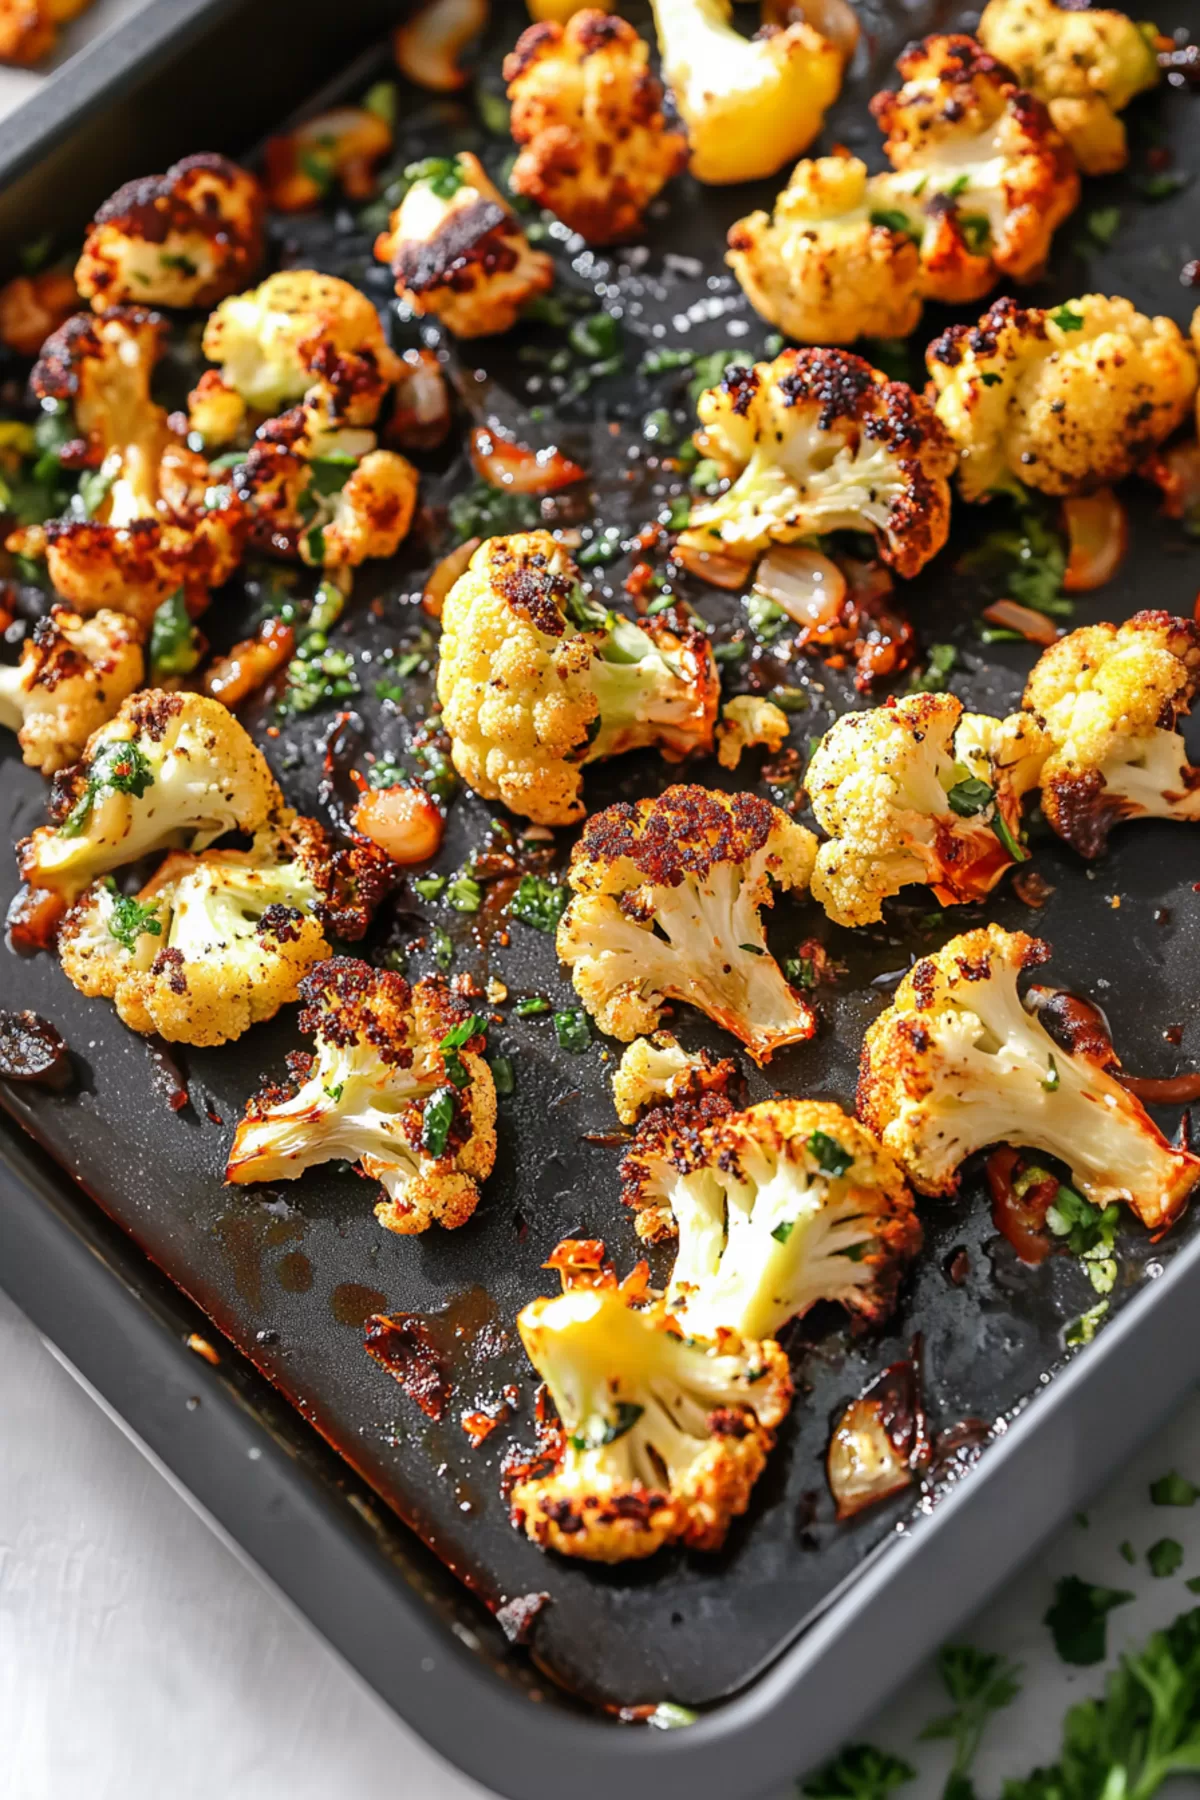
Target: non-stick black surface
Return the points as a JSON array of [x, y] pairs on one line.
[[289, 1272]]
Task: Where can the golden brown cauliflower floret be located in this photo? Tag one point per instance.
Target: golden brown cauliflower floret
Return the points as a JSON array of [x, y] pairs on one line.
[[1064, 399], [749, 104], [662, 1438], [535, 681], [979, 171], [1109, 698], [458, 252], [298, 335], [749, 722], [1086, 65], [171, 770], [29, 28], [156, 519], [957, 1062], [186, 238], [657, 1069], [327, 496], [588, 115], [819, 441], [73, 675], [397, 1083], [775, 1208], [918, 791], [829, 264], [669, 895]]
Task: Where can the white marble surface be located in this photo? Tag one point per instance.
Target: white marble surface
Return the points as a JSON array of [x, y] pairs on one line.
[[139, 1657]]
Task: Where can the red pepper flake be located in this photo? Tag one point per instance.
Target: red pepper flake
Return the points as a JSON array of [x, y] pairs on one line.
[[478, 1426], [403, 1344]]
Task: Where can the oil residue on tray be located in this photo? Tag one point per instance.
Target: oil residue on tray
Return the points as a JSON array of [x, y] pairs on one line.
[[244, 1236], [352, 1304], [294, 1272]]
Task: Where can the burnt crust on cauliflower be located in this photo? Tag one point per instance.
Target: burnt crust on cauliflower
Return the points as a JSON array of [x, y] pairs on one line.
[[211, 210], [686, 831]]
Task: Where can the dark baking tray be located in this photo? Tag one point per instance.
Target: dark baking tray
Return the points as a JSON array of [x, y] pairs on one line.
[[274, 1269]]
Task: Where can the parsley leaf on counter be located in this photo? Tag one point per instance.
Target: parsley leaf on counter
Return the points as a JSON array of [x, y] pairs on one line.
[[1078, 1619]]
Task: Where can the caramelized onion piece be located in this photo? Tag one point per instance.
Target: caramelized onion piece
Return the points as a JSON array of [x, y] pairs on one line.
[[443, 577], [1020, 1214], [503, 464], [421, 413], [427, 46], [810, 588], [404, 821], [34, 916], [715, 566], [234, 676], [1163, 1090], [32, 1050], [1098, 536], [863, 1464], [1034, 626], [341, 146]]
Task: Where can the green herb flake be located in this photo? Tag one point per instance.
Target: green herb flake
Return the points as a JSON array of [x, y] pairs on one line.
[[801, 971], [1174, 1490], [976, 230], [667, 1716], [1102, 224], [790, 699], [118, 767], [595, 337], [1082, 1330], [1165, 1557], [659, 362], [530, 1007], [980, 1683], [1078, 1619], [970, 797], [538, 903], [429, 886], [989, 378], [437, 1119], [173, 646], [831, 1157], [1067, 318], [1127, 1551], [1050, 1080], [381, 99], [767, 619], [958, 186], [443, 948], [441, 174], [1164, 185], [783, 1231], [503, 1078], [464, 893], [940, 663], [859, 1772], [598, 1433], [890, 218], [129, 920], [573, 1031]]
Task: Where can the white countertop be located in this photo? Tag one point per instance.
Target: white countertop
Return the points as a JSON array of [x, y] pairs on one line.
[[139, 1657]]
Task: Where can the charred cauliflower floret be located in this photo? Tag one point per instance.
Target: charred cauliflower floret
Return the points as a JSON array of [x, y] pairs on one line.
[[186, 238], [153, 518], [830, 264], [749, 104], [73, 675], [918, 791], [458, 252], [662, 1438], [657, 1069], [327, 496], [216, 943], [588, 115], [298, 335], [775, 1208], [957, 1063], [171, 770], [1086, 65], [979, 172], [397, 1083], [749, 722], [29, 28], [1109, 698], [819, 441], [668, 901], [535, 681], [1062, 399]]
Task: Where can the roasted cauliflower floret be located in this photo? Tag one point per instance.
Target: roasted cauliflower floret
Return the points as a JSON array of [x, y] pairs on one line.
[[212, 944], [29, 28], [749, 104], [775, 1208], [535, 681], [748, 722], [458, 252], [829, 264], [588, 115], [397, 1083], [186, 238], [656, 1069], [171, 770], [1085, 65], [668, 901], [819, 441], [662, 1438], [151, 518], [1062, 399], [957, 1063], [73, 675], [903, 800], [327, 496], [298, 335], [979, 171], [1109, 698]]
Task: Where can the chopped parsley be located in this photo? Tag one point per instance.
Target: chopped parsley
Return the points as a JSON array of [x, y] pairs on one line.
[[1050, 1080], [832, 1158], [1082, 1330], [940, 663], [474, 1025], [1078, 1619], [538, 903], [443, 948], [708, 371], [129, 919], [381, 99], [958, 186], [595, 337], [317, 674], [573, 1030], [1067, 318], [783, 1231], [859, 1772], [503, 1078], [1090, 1232], [1164, 1558], [429, 886], [604, 548], [173, 646], [117, 767], [980, 1683], [437, 1120], [529, 1008], [970, 797], [95, 485], [659, 362], [441, 174], [801, 971], [892, 219], [599, 1432], [1174, 1490], [976, 229], [767, 619], [464, 893], [1102, 224], [1164, 185], [483, 511]]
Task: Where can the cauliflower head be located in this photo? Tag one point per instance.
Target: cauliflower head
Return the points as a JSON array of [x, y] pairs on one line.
[[298, 335], [73, 675], [662, 1438], [1109, 698], [156, 519], [819, 441], [328, 496], [749, 104], [186, 238], [748, 721], [829, 264], [957, 1063], [775, 1208], [667, 906], [171, 770], [535, 681], [458, 252], [978, 170], [904, 801], [397, 1083], [1085, 65], [588, 115], [1063, 399], [657, 1069]]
